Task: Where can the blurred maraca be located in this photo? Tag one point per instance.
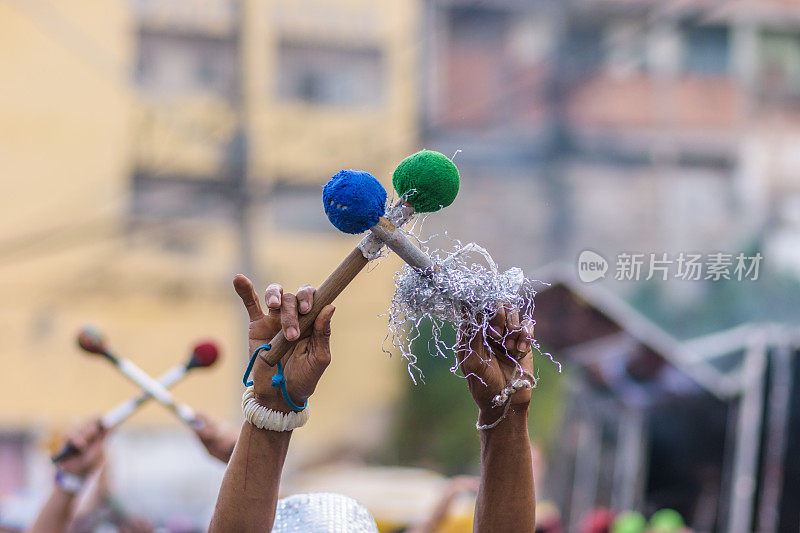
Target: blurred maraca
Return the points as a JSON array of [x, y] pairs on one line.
[[203, 355], [666, 521], [629, 522], [94, 342]]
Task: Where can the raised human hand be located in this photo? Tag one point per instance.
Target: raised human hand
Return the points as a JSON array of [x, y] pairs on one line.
[[493, 360], [305, 362], [89, 439]]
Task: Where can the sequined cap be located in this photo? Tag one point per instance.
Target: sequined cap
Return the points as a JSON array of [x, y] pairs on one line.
[[322, 512]]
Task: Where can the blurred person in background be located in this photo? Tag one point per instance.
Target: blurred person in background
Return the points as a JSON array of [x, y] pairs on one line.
[[98, 510], [455, 511], [446, 515], [216, 436], [548, 518], [71, 477], [81, 500], [248, 497]]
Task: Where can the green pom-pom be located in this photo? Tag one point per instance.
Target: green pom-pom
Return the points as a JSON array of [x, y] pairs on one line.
[[629, 522], [666, 521], [429, 179]]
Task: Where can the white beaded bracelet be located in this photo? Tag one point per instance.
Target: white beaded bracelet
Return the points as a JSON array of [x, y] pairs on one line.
[[69, 482], [264, 418]]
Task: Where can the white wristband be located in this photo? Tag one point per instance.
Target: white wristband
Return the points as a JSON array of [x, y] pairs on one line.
[[69, 482], [264, 418]]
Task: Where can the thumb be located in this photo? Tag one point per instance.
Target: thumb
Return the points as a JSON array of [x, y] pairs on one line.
[[321, 337]]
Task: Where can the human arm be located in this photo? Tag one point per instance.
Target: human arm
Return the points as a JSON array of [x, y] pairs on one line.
[[58, 511], [455, 487], [216, 436], [506, 500], [249, 492]]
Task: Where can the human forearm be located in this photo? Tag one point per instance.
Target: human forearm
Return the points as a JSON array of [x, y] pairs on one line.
[[506, 500], [249, 491], [218, 438], [226, 444], [59, 510], [437, 517], [226, 450], [223, 445], [56, 514]]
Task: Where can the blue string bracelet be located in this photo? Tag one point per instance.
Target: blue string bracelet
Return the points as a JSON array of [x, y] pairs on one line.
[[266, 346], [278, 380]]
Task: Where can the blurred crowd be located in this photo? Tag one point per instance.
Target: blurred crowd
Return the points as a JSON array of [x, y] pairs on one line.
[[91, 506]]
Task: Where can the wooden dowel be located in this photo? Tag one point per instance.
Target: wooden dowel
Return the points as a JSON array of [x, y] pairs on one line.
[[325, 294], [400, 245], [385, 231]]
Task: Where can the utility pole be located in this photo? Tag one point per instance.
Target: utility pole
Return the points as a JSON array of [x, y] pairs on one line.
[[239, 149], [240, 198], [558, 141]]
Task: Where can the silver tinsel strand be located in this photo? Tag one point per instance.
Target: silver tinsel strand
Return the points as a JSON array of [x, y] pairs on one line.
[[460, 291]]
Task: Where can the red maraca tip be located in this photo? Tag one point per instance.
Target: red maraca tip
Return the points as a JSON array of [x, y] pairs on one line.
[[205, 354], [91, 340]]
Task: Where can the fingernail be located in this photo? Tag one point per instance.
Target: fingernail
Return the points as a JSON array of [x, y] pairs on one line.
[[292, 333], [303, 307], [273, 301], [522, 346]]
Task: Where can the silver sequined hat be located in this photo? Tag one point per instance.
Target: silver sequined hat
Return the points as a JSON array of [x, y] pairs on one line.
[[322, 512]]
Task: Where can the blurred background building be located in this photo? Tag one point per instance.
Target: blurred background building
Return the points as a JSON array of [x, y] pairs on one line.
[[154, 148], [620, 125], [151, 151]]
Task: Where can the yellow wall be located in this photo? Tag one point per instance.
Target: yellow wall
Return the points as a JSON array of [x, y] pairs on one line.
[[68, 118], [63, 111], [295, 141], [305, 142], [153, 309]]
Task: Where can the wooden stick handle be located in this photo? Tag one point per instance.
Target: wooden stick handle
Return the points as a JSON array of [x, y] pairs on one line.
[[383, 233], [325, 294], [399, 243]]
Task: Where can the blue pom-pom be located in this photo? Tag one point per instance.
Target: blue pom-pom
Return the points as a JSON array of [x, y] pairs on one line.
[[354, 200]]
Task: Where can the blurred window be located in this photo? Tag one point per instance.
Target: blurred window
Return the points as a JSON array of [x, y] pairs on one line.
[[172, 64], [707, 50], [491, 68], [330, 75], [477, 70], [625, 45], [586, 49], [479, 27], [779, 64], [297, 209]]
